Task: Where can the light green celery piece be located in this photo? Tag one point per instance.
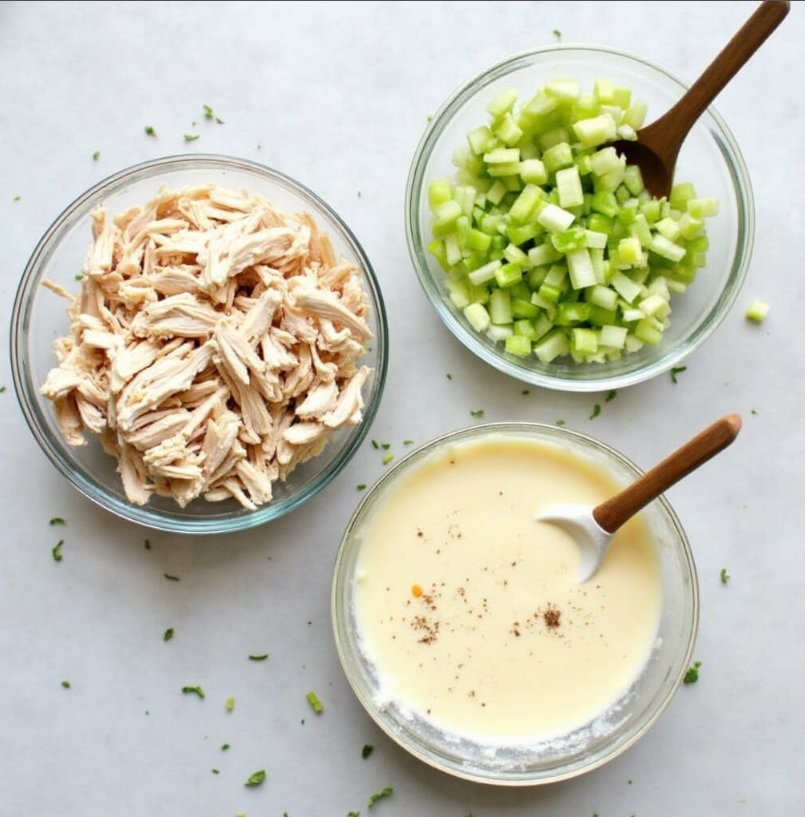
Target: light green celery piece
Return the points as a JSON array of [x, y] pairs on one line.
[[625, 287], [633, 343], [570, 313], [535, 278], [701, 243], [439, 192], [698, 259], [557, 157], [556, 275], [581, 270], [605, 203], [626, 132], [633, 180], [622, 196], [461, 157], [583, 163], [500, 307], [757, 311], [478, 317], [508, 275], [515, 255], [548, 294], [447, 213], [502, 156], [502, 103], [615, 111], [528, 150], [602, 317], [485, 273], [543, 254], [497, 334], [647, 332], [479, 294], [568, 183], [436, 248], [669, 228], [681, 194], [600, 266], [489, 224], [676, 286], [526, 203], [520, 234], [477, 241], [584, 341], [606, 159], [702, 208], [586, 107], [605, 91], [635, 115], [554, 137], [640, 230], [650, 210], [596, 241], [609, 181], [564, 89], [459, 293], [508, 169], [595, 131], [532, 171], [518, 345], [667, 249], [513, 182], [554, 344], [613, 336], [452, 249], [659, 286], [525, 328], [480, 139], [690, 227], [507, 131], [629, 251], [542, 326], [622, 97], [555, 219], [652, 305], [541, 105], [573, 239], [523, 309], [602, 296], [496, 192]]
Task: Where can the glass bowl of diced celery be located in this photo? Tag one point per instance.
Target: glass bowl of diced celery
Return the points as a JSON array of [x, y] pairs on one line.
[[543, 252]]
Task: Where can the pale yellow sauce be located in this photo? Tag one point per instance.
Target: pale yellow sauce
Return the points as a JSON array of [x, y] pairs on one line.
[[470, 610]]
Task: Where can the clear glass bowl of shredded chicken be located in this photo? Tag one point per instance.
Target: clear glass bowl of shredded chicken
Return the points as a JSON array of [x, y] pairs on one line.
[[199, 344]]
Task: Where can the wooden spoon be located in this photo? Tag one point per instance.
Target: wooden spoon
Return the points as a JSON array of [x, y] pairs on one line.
[[592, 528], [658, 145]]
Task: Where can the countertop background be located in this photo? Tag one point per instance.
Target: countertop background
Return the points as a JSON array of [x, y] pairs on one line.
[[337, 95]]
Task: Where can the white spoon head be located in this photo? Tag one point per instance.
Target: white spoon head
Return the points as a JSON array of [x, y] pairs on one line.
[[577, 521]]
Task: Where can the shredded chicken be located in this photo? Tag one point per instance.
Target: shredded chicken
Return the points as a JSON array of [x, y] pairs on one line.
[[213, 347]]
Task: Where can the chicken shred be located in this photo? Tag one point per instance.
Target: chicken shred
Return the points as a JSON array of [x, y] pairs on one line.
[[213, 347]]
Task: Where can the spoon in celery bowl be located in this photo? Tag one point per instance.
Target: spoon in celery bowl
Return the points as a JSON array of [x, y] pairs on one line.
[[658, 144], [593, 528]]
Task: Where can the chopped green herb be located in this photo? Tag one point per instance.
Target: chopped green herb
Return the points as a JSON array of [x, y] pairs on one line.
[[375, 445], [230, 704], [96, 156], [449, 376], [258, 657], [149, 131], [558, 35], [65, 684], [79, 276], [361, 486], [677, 370], [359, 194], [725, 577], [596, 411], [408, 442], [193, 691], [526, 391], [215, 771], [477, 413], [430, 118], [209, 113], [57, 520], [191, 137], [354, 814], [56, 551], [629, 782], [380, 795], [560, 422], [147, 544], [168, 634], [17, 198], [692, 675], [754, 412], [225, 747], [385, 446], [2, 389], [256, 779], [171, 578], [388, 458], [611, 395], [315, 703], [367, 750]]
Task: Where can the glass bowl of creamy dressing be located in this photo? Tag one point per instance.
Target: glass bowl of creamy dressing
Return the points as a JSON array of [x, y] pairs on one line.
[[463, 630]]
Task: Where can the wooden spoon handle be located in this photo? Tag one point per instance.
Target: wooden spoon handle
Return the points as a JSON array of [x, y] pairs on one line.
[[754, 32], [610, 515]]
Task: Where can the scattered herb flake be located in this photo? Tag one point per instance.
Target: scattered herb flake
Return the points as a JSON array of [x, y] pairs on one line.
[[354, 814], [215, 771], [385, 446], [692, 675], [197, 690], [56, 551], [258, 657], [191, 137], [611, 395], [596, 411], [388, 458], [361, 486], [171, 578], [725, 577], [449, 376], [65, 684], [96, 156], [230, 704], [2, 389], [209, 113], [168, 634], [359, 194], [754, 412], [375, 445], [560, 422], [315, 703], [558, 34], [408, 442], [477, 413], [16, 198], [57, 520], [147, 544], [525, 391], [367, 750], [387, 792], [149, 131], [79, 276], [257, 779], [225, 747], [677, 370]]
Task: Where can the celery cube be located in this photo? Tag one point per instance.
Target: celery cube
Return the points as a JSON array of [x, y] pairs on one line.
[[555, 219], [500, 308], [526, 203], [702, 208], [629, 251], [557, 157], [613, 336], [568, 183], [581, 270], [584, 341], [439, 192], [554, 344], [508, 275], [533, 171], [595, 131], [757, 311], [518, 345], [478, 317], [507, 131], [573, 239], [523, 309], [502, 103]]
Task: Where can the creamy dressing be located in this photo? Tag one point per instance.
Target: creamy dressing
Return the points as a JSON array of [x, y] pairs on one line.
[[470, 610]]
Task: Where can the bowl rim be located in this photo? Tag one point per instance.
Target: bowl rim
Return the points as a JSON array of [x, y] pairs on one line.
[[338, 591], [21, 374], [738, 173]]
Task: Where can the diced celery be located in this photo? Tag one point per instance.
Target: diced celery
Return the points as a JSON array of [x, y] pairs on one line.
[[757, 311], [543, 254], [439, 192], [515, 255], [604, 203], [569, 313], [557, 157], [499, 333], [681, 194], [584, 341], [635, 115], [500, 307], [689, 227], [507, 169], [502, 156], [508, 275], [563, 89], [595, 131], [525, 328], [480, 139], [478, 317], [702, 208], [512, 182], [605, 160], [554, 344], [613, 336], [667, 249], [477, 241], [626, 132], [447, 213], [603, 297], [502, 103], [602, 317], [555, 219], [556, 275], [625, 287], [452, 249], [647, 332], [548, 293], [652, 305], [520, 234], [633, 180], [595, 241], [629, 251], [459, 293], [485, 273], [650, 210], [526, 203], [436, 248], [573, 239], [568, 183], [507, 131], [553, 137], [581, 269], [518, 345], [532, 171], [496, 192], [640, 230]]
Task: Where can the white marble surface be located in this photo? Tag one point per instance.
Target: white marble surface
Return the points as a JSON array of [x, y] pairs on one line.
[[337, 95]]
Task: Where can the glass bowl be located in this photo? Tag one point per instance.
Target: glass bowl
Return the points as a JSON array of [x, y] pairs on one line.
[[39, 317], [585, 748], [709, 158]]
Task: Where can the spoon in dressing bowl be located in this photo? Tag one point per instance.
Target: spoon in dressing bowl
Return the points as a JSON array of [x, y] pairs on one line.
[[593, 528], [658, 144]]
